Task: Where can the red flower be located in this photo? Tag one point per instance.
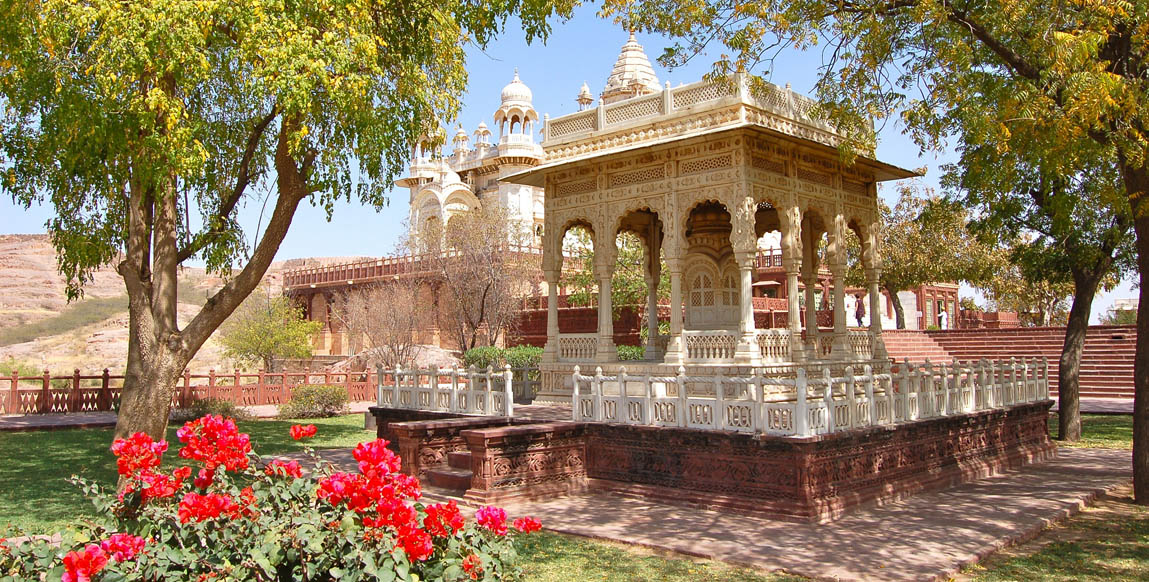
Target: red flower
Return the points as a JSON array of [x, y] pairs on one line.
[[204, 479], [303, 432], [200, 507], [137, 453], [215, 441], [123, 546], [492, 518], [415, 542], [283, 469], [473, 566], [528, 524], [443, 519], [154, 485], [375, 459], [81, 566]]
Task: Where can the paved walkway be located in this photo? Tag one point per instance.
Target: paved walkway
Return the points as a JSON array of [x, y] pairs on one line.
[[926, 537]]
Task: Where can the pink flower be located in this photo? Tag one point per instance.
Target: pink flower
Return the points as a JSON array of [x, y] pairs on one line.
[[123, 546], [492, 518], [528, 524], [283, 469], [375, 459], [81, 566]]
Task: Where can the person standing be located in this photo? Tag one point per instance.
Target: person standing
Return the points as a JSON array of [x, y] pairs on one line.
[[860, 311], [943, 319]]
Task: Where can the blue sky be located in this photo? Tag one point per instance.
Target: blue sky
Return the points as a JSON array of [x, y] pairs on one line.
[[583, 49]]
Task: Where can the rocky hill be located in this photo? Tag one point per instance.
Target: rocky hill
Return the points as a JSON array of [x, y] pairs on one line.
[[90, 334]]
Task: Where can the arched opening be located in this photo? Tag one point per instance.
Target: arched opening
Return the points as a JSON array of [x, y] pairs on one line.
[[641, 280], [711, 274]]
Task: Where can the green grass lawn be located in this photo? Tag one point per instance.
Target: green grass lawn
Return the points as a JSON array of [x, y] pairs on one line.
[[556, 558], [35, 494], [1109, 542], [1100, 431]]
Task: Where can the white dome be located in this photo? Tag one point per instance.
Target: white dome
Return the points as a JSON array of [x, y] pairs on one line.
[[516, 92]]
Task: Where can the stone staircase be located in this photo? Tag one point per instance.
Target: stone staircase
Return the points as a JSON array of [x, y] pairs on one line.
[[915, 345], [1106, 363], [454, 478]]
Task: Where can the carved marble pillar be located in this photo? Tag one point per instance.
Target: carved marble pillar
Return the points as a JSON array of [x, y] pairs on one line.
[[744, 243], [837, 254], [652, 272], [810, 282], [605, 253], [675, 349], [551, 351], [872, 262], [791, 261]]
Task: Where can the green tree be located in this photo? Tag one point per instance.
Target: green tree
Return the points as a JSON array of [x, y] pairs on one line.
[[146, 125], [924, 240], [628, 284], [265, 328], [1073, 71], [1073, 237], [1119, 317]]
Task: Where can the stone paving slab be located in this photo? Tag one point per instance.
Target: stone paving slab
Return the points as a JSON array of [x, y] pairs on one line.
[[926, 537]]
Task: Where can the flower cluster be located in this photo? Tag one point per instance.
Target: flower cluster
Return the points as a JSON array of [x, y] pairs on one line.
[[82, 565], [492, 518], [528, 524], [299, 432], [138, 453], [209, 526], [123, 546], [216, 442], [281, 468], [138, 457]]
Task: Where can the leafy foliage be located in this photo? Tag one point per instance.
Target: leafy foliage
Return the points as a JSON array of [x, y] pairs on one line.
[[265, 328], [1120, 317], [925, 240], [315, 401], [210, 407], [628, 353], [516, 356], [132, 120], [628, 285]]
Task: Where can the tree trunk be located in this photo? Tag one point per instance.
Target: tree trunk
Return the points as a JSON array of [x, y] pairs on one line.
[[1069, 365], [1137, 188], [899, 313]]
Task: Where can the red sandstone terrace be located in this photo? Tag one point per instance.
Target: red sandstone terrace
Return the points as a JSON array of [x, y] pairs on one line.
[[812, 479]]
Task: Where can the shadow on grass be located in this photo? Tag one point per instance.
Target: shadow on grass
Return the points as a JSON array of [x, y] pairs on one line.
[[549, 557], [1099, 431]]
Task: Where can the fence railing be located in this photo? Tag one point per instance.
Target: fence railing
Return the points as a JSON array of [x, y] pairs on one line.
[[487, 392], [803, 405], [77, 392]]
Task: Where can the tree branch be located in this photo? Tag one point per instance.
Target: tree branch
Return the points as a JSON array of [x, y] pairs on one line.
[[243, 179]]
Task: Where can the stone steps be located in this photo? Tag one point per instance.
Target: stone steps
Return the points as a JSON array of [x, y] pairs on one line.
[[455, 476]]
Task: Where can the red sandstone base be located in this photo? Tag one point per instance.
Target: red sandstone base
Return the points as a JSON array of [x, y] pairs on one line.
[[811, 479]]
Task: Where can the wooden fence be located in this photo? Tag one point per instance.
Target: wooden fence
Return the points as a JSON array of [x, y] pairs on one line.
[[77, 392]]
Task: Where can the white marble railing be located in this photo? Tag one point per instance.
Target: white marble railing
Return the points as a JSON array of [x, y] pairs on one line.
[[861, 344], [774, 345], [577, 347], [805, 406], [471, 391], [788, 105], [710, 345]]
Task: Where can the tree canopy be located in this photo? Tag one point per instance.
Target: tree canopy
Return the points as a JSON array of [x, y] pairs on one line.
[[147, 125], [265, 328]]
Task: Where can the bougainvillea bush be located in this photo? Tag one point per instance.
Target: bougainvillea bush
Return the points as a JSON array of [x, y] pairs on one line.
[[239, 517]]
